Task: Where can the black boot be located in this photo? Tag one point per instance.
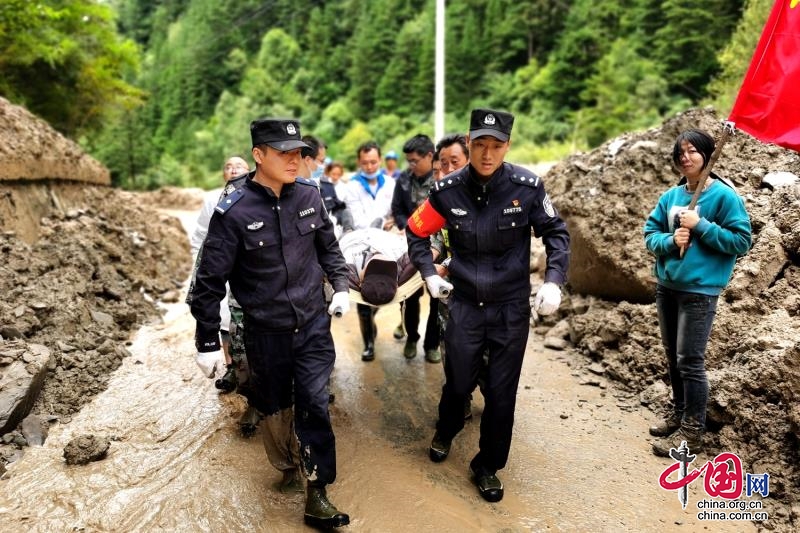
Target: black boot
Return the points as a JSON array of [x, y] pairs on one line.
[[321, 513], [227, 383], [366, 323], [248, 424]]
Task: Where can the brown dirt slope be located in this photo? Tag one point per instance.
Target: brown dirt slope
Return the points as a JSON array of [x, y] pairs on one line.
[[754, 354], [30, 149]]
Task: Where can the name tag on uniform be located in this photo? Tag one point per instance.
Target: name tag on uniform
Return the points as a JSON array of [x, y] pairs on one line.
[[306, 212]]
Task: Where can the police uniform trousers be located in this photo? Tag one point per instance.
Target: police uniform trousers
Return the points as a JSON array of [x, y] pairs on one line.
[[293, 367], [411, 308], [502, 330]]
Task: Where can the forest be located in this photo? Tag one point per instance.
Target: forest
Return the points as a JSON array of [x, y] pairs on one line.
[[161, 91]]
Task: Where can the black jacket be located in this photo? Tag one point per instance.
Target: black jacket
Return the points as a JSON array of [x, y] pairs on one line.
[[275, 252], [409, 192], [489, 228]]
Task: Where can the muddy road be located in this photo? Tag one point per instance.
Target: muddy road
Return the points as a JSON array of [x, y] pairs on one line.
[[580, 458]]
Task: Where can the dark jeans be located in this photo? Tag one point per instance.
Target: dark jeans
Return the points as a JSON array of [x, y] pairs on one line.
[[685, 319], [472, 330], [289, 368], [411, 320]]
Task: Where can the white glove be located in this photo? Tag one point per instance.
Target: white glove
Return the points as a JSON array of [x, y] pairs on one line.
[[438, 287], [340, 304], [547, 299], [210, 363]]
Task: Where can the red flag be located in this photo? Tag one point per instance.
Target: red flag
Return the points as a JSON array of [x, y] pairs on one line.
[[768, 104]]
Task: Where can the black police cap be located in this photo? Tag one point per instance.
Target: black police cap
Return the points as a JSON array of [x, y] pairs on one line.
[[279, 133], [496, 124]]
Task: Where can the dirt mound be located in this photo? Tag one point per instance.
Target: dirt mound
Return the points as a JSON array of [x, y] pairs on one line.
[[30, 149], [91, 276], [754, 356]]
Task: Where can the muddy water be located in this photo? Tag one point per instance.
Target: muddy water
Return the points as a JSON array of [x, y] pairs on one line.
[[578, 462]]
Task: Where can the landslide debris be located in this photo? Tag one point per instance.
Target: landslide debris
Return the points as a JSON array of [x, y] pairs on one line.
[[753, 358]]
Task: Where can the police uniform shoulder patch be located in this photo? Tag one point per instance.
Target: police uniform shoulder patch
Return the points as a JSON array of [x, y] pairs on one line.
[[305, 181], [447, 182], [229, 200], [234, 184], [525, 178]]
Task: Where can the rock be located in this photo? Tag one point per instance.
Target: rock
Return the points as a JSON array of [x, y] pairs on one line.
[[19, 388], [596, 368], [10, 332], [773, 180], [85, 449], [102, 318], [106, 347], [556, 343], [64, 347], [34, 429]]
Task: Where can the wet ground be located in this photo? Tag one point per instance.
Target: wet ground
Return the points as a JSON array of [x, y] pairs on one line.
[[579, 462]]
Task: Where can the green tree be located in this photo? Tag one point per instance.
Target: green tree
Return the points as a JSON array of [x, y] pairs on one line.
[[625, 93], [406, 86], [66, 62], [687, 44]]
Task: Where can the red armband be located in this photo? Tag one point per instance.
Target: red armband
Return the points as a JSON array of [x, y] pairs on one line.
[[425, 221]]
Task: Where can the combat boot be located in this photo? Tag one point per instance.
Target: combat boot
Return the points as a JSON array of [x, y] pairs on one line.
[[692, 435], [667, 427], [368, 330], [321, 513]]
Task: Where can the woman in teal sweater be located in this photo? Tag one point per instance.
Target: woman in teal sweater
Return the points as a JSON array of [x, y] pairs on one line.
[[713, 235]]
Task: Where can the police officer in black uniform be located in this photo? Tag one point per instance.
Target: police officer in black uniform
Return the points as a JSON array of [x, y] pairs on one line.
[[273, 240], [488, 209]]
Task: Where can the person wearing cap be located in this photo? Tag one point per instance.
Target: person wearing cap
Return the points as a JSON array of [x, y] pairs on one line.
[[410, 191], [369, 198], [488, 208], [391, 164], [273, 240]]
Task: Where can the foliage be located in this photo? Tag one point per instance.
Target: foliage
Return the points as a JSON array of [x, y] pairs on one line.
[[65, 62], [168, 93]]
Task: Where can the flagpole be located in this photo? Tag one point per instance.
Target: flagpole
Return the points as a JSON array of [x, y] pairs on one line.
[[439, 71]]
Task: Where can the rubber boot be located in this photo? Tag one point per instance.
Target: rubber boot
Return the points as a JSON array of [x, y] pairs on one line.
[[320, 513], [367, 325]]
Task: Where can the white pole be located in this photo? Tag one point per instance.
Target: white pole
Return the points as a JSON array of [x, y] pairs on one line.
[[438, 104]]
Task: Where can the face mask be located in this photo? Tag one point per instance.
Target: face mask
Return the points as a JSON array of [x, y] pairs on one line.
[[317, 174], [371, 176]]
